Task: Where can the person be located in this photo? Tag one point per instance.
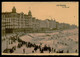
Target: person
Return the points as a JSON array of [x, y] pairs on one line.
[[67, 51], [76, 50], [52, 49], [32, 51], [23, 50]]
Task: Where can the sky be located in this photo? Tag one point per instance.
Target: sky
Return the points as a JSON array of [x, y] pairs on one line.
[[63, 12]]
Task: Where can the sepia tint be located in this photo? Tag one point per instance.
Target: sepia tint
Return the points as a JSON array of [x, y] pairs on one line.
[[39, 28]]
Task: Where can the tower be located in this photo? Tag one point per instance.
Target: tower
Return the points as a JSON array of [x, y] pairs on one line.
[[30, 18], [29, 13], [13, 10]]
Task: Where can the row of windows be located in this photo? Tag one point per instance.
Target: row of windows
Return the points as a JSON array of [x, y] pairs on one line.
[[13, 20], [14, 23], [18, 16], [8, 16], [15, 27]]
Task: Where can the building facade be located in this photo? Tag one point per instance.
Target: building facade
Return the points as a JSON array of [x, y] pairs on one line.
[[13, 22]]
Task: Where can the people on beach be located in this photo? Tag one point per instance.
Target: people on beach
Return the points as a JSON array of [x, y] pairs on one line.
[[24, 50]]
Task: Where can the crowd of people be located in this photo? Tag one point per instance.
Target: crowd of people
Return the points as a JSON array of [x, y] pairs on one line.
[[36, 47]]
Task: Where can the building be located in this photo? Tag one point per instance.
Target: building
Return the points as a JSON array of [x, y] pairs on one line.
[[52, 24], [13, 22]]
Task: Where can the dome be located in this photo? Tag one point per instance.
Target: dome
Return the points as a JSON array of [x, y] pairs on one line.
[[14, 10]]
